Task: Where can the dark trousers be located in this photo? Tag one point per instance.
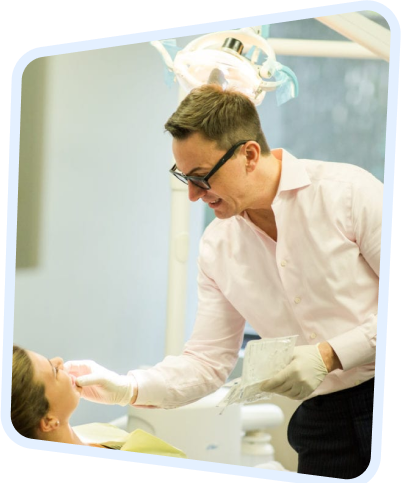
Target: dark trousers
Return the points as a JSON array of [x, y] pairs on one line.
[[332, 434]]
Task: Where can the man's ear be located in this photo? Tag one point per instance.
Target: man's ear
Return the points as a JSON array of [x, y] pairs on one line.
[[252, 153], [49, 423]]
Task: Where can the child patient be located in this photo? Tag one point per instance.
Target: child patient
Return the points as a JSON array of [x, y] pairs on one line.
[[43, 398]]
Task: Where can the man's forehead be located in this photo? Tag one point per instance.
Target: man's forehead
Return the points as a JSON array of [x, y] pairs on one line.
[[194, 154]]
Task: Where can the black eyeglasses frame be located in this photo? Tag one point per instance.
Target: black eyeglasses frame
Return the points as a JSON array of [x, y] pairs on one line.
[[203, 181]]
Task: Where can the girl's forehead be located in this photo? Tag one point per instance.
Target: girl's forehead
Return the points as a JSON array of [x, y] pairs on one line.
[[40, 363]]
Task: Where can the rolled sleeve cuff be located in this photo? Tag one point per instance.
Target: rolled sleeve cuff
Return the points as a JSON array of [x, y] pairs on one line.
[[354, 348], [151, 390]]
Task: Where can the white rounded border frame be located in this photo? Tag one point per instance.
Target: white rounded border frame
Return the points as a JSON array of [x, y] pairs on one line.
[[385, 251]]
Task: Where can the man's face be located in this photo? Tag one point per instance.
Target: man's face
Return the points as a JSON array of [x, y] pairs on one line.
[[196, 156]]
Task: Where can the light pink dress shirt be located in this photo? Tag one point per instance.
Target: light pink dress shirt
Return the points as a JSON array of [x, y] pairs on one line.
[[320, 280]]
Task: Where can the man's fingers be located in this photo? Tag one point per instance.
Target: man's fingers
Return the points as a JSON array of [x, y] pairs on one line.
[[89, 380]]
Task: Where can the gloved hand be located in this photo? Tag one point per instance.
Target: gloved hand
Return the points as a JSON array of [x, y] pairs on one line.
[[101, 385], [301, 377]]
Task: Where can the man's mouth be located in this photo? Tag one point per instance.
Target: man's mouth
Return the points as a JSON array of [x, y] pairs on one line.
[[215, 203]]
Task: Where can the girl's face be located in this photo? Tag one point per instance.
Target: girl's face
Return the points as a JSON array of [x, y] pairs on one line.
[[60, 389]]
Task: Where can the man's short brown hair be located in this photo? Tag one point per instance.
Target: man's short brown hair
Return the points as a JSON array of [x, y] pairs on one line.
[[225, 116]]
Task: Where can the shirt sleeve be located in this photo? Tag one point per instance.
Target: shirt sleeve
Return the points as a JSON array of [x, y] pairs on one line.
[[208, 357], [366, 221]]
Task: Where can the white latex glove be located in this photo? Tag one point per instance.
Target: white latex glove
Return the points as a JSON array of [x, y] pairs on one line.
[[301, 377], [101, 385]]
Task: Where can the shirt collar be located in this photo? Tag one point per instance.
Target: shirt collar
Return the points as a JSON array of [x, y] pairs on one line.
[[293, 176], [293, 173]]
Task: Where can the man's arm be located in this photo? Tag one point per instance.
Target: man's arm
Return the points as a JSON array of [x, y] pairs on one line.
[[329, 357]]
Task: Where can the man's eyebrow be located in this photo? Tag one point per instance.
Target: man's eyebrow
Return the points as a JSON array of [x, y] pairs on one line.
[[205, 169], [194, 171]]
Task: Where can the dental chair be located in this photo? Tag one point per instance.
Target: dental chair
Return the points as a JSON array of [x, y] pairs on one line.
[[238, 436]]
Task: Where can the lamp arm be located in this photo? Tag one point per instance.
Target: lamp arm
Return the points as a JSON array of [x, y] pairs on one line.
[[164, 53]]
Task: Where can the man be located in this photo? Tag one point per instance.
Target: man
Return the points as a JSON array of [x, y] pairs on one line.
[[294, 249]]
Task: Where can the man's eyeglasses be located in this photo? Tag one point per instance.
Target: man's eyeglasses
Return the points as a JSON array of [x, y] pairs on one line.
[[203, 181]]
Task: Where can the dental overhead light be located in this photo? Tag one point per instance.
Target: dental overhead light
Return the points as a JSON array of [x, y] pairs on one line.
[[230, 59]]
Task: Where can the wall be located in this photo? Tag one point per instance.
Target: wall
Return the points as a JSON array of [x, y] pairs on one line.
[[94, 210]]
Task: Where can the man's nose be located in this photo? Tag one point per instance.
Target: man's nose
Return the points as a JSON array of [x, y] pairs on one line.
[[195, 192]]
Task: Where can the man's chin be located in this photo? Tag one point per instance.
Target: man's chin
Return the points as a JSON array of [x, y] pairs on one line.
[[222, 216]]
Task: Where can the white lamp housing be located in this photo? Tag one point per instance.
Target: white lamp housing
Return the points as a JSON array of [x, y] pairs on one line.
[[209, 59], [198, 67]]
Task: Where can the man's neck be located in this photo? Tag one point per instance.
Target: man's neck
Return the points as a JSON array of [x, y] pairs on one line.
[[260, 212]]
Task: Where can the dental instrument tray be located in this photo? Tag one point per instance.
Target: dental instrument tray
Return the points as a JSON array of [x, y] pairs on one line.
[[263, 359]]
